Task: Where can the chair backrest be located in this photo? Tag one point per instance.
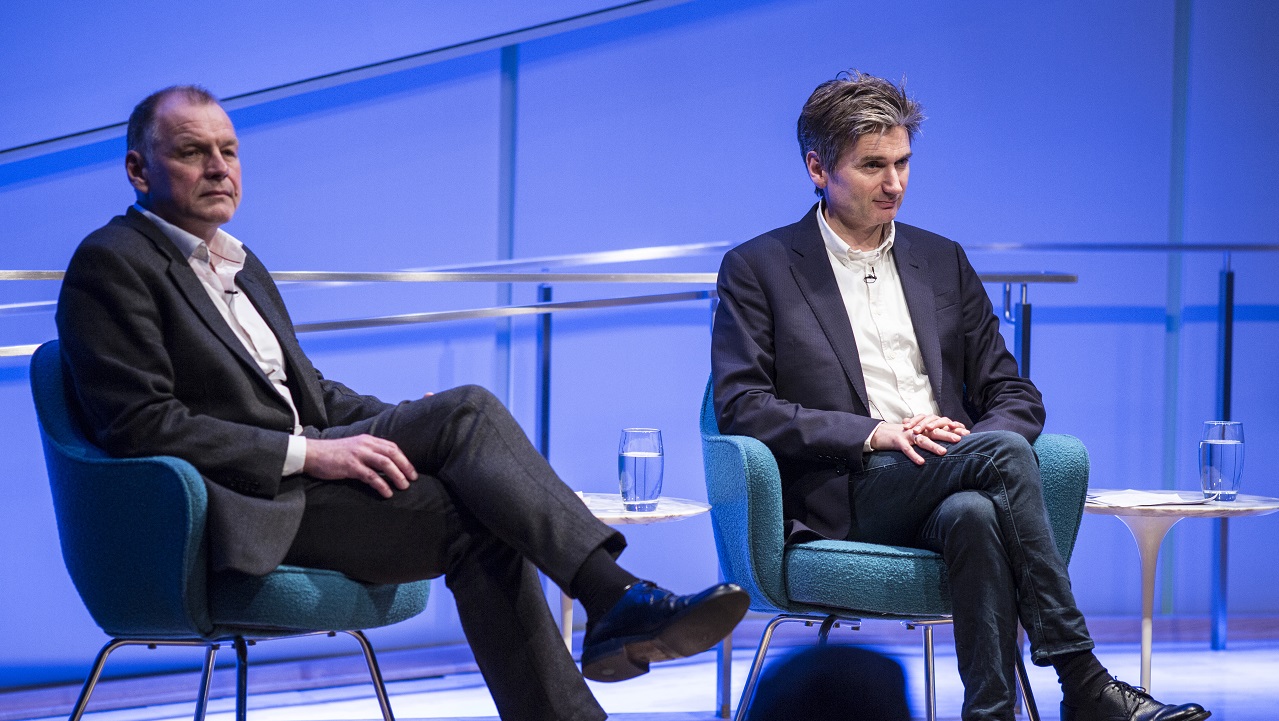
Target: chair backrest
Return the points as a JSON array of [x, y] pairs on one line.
[[131, 529], [53, 410], [1063, 470], [744, 489]]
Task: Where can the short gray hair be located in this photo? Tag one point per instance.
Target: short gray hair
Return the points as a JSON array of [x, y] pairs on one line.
[[852, 105], [141, 133]]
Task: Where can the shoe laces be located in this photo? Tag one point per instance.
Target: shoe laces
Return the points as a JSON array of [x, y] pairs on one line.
[[1136, 693]]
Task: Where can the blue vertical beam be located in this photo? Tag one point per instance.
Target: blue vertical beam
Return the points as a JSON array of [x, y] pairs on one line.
[[507, 136], [1173, 300], [544, 374], [1021, 333], [1225, 379]]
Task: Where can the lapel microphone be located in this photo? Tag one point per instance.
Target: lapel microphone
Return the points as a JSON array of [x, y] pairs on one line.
[[871, 260]]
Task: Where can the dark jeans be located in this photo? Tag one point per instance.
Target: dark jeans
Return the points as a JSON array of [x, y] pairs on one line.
[[981, 507], [486, 509]]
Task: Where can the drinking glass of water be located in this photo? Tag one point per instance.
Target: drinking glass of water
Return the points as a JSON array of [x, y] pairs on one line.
[[639, 468], [1221, 459]]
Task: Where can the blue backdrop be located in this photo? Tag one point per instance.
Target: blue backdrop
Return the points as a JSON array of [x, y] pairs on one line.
[[673, 122]]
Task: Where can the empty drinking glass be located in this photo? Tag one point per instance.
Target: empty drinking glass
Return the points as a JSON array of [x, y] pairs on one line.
[[1221, 459]]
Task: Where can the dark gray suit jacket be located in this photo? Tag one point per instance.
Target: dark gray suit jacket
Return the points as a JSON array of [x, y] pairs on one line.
[[786, 368], [156, 370]]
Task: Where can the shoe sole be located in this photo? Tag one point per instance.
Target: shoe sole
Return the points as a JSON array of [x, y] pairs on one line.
[[698, 629], [1197, 717]]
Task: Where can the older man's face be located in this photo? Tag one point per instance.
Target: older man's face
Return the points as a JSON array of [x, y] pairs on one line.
[[191, 175]]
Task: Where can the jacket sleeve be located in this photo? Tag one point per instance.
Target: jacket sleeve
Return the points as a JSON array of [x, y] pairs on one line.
[[117, 335], [996, 395], [345, 406], [747, 397]]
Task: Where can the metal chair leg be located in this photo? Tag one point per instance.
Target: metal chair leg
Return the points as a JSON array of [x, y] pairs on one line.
[[823, 633], [1023, 681], [206, 680], [96, 671], [1018, 707], [752, 678], [375, 674], [930, 666], [241, 679], [87, 690], [930, 677]]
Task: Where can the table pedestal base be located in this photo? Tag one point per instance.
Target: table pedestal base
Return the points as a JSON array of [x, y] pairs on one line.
[[1148, 532]]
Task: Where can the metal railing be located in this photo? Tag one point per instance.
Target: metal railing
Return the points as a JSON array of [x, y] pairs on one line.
[[1016, 311]]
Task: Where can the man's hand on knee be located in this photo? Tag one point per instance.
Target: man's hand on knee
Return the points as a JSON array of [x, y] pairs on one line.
[[372, 460]]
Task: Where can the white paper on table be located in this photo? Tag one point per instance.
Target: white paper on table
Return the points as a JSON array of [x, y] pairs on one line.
[[1131, 497]]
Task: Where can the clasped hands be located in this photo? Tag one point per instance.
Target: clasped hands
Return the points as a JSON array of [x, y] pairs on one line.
[[919, 431]]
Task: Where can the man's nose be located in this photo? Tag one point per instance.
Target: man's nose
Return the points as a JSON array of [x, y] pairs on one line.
[[217, 166], [892, 181]]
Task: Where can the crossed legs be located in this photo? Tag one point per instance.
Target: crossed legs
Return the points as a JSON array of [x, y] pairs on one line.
[[484, 512], [981, 507]]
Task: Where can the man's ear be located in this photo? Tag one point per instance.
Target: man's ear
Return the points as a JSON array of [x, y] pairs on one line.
[[135, 166], [815, 170]]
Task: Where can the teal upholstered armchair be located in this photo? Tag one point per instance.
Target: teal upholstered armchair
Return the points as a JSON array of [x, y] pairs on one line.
[[132, 534], [828, 580]]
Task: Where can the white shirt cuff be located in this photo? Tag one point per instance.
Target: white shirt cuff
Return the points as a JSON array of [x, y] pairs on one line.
[[295, 456], [866, 445]]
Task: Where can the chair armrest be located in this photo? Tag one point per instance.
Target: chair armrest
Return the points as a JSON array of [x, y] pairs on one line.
[[132, 534], [1063, 469]]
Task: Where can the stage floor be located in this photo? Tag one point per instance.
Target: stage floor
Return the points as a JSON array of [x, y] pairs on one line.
[[1236, 685]]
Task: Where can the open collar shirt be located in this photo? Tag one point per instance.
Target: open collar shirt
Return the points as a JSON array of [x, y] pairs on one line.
[[897, 385], [216, 263]]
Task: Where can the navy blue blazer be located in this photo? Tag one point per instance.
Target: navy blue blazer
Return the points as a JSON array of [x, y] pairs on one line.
[[786, 369], [156, 370]]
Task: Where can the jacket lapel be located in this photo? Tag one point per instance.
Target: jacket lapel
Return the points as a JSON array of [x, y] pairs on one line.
[[252, 280], [913, 271], [179, 270], [816, 281]]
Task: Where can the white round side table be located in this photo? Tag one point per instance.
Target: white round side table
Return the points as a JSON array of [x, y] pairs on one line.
[[1150, 523]]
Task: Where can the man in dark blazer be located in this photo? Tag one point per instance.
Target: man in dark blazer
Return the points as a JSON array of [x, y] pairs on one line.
[[865, 354], [177, 342]]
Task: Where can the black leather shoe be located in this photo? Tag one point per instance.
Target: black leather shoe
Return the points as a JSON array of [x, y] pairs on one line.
[[1120, 702], [652, 624]]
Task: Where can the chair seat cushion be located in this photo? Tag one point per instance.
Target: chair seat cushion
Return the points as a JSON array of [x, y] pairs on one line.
[[292, 599], [867, 579]]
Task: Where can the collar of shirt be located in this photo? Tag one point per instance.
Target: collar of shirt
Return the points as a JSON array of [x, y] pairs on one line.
[[846, 254], [224, 246]]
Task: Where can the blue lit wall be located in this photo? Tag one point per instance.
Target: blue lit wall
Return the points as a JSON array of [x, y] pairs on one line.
[[1048, 122]]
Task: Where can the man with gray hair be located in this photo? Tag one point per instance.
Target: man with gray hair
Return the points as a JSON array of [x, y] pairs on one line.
[[865, 354], [176, 342]]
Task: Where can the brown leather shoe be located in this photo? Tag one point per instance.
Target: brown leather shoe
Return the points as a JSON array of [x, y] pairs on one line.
[[1119, 701]]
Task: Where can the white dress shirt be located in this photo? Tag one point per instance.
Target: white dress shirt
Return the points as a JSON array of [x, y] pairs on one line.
[[215, 263], [897, 385]]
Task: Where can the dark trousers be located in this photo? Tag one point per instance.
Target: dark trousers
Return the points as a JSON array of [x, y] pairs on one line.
[[485, 511], [981, 507]]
